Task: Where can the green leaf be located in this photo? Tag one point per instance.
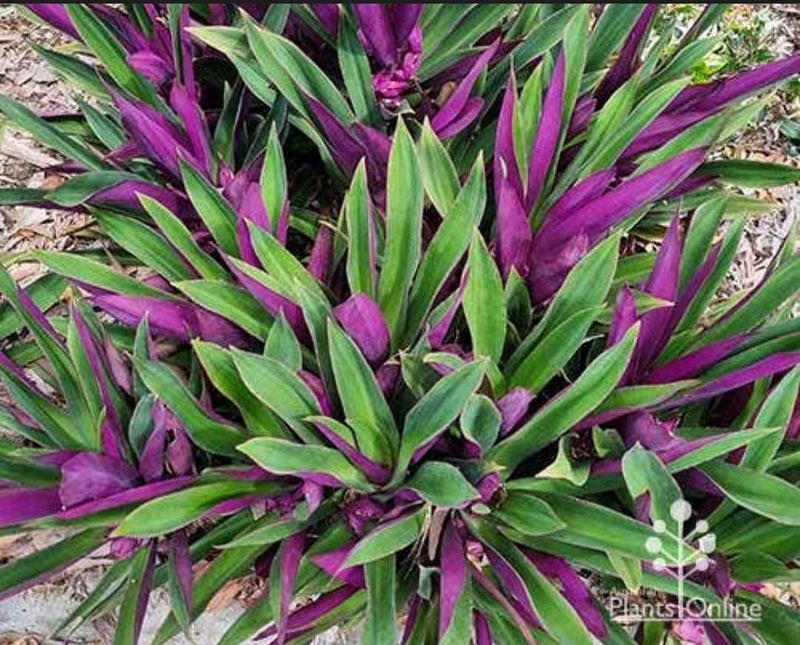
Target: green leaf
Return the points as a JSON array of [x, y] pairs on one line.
[[144, 243], [110, 52], [565, 466], [628, 569], [78, 189], [484, 302], [610, 31], [438, 171], [356, 72], [361, 235], [284, 63], [274, 187], [557, 615], [230, 302], [138, 583], [280, 389], [553, 352], [208, 433], [644, 473], [379, 624], [49, 135], [758, 492], [403, 230], [437, 410], [598, 527], [183, 240], [283, 457], [88, 271], [442, 484], [360, 393], [480, 421], [73, 70], [50, 559], [447, 247], [750, 174], [215, 211], [283, 346], [174, 511], [570, 406], [387, 538], [699, 238], [586, 286], [528, 514], [221, 371]]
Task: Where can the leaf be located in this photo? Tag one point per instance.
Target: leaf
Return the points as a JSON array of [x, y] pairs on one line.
[[480, 421], [280, 389], [558, 617], [447, 248], [283, 457], [356, 72], [438, 171], [628, 569], [750, 174], [110, 52], [436, 411], [379, 624], [182, 239], [274, 189], [208, 433], [387, 538], [528, 514], [403, 229], [49, 135], [361, 235], [360, 393], [28, 570], [442, 484], [283, 346], [174, 511], [565, 466], [484, 302], [144, 243], [609, 33], [217, 214], [763, 494], [230, 302], [96, 274], [134, 602], [570, 406], [553, 352], [644, 473]]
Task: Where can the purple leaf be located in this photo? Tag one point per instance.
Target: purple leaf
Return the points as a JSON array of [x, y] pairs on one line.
[[319, 264], [331, 563], [387, 375], [760, 369], [375, 25], [314, 383], [572, 588], [328, 16], [362, 319], [18, 505], [505, 168], [628, 60], [346, 149], [513, 408], [645, 429], [514, 587], [696, 362], [126, 194], [172, 318], [154, 134], [581, 116], [483, 635], [145, 587], [623, 318], [452, 116], [191, 115], [453, 564], [514, 235], [548, 134], [56, 15], [411, 618], [304, 617], [130, 496], [90, 476], [291, 551], [579, 195], [151, 463], [374, 471], [150, 65], [403, 18]]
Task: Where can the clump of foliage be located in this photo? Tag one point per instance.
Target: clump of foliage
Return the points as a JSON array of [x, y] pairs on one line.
[[384, 384]]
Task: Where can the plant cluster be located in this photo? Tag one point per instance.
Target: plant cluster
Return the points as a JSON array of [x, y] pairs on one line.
[[409, 311]]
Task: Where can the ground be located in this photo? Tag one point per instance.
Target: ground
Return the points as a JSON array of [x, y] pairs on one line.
[[29, 617]]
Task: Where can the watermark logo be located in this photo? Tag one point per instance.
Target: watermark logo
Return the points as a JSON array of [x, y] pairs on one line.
[[680, 555]]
